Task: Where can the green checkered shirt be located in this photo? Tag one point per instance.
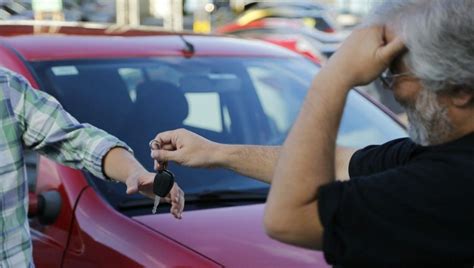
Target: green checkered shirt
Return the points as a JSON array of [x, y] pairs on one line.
[[31, 119]]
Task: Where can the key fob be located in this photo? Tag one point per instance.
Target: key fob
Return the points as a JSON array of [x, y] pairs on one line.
[[163, 183]]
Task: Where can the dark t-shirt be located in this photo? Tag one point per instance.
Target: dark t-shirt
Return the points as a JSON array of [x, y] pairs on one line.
[[405, 205]]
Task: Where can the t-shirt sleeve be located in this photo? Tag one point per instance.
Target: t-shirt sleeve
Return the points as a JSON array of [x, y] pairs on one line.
[[378, 158], [397, 216]]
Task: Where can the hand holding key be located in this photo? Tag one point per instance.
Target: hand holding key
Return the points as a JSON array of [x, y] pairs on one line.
[[163, 184], [185, 148], [143, 183]]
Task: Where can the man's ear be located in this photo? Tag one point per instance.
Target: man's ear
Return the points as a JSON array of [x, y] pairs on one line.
[[462, 97]]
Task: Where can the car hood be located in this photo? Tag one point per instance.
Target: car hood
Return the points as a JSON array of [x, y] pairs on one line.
[[233, 237]]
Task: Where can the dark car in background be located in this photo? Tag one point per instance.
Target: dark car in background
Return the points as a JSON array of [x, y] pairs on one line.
[[226, 89]]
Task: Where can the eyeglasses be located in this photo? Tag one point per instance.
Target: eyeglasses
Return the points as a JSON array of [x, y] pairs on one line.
[[388, 78]]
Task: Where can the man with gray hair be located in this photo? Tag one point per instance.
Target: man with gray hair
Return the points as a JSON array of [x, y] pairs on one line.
[[408, 202]]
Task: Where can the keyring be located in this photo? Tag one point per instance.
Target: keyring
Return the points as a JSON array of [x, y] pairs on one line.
[[154, 142]]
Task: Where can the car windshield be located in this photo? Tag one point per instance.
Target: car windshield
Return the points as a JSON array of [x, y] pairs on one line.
[[237, 100]]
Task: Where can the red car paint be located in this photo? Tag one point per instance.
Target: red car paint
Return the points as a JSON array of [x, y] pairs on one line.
[[225, 235], [292, 44], [89, 232]]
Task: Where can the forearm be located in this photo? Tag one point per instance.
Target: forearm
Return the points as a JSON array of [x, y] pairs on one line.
[[249, 160], [259, 162], [47, 128], [120, 164], [306, 162]]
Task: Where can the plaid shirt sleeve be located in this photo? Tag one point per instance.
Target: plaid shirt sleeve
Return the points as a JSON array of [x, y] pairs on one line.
[[50, 130]]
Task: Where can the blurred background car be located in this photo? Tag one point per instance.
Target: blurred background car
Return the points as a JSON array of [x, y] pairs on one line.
[[314, 15], [310, 28], [315, 44], [296, 44], [227, 89]]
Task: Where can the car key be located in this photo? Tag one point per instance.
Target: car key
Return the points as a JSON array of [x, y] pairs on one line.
[[162, 185], [155, 205]]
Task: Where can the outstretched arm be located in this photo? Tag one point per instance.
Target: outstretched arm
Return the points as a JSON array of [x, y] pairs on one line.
[[47, 128], [259, 162]]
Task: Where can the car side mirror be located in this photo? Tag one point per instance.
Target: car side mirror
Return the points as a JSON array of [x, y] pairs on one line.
[[46, 206]]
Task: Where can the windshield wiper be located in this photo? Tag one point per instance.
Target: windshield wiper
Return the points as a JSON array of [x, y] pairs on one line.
[[204, 197], [135, 203], [227, 195]]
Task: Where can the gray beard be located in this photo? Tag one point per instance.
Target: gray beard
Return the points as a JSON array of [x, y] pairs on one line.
[[429, 123]]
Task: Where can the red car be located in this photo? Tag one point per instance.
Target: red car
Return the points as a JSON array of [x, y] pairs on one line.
[[297, 45], [226, 89]]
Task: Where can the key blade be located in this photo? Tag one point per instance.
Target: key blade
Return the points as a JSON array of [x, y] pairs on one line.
[[155, 205]]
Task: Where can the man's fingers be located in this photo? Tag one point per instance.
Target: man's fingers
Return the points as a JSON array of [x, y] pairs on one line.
[[177, 202], [177, 209], [181, 202], [392, 49], [154, 144], [167, 137], [168, 147], [132, 186], [158, 166], [164, 156], [175, 206], [164, 137]]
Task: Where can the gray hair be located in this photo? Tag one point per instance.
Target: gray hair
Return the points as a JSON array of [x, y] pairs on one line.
[[439, 35]]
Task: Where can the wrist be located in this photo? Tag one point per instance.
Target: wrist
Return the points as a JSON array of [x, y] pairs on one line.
[[221, 155], [138, 172], [336, 76]]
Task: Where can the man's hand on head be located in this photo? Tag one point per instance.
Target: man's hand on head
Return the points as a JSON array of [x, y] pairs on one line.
[[364, 55], [307, 160]]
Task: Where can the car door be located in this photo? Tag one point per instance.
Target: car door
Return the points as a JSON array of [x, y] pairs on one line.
[[53, 191], [51, 201]]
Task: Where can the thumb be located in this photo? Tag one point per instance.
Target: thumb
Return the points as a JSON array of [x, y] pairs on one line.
[[164, 155], [132, 185], [391, 50]]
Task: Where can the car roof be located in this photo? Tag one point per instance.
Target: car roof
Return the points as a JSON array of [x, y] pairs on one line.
[[83, 43]]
